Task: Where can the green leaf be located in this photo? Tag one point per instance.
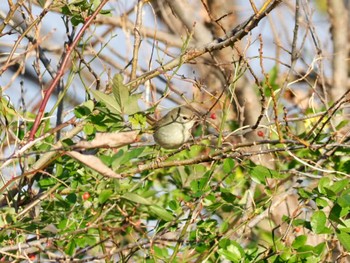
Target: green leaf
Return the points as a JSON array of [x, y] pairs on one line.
[[335, 214], [305, 251], [109, 101], [173, 205], [339, 185], [259, 174], [321, 202], [122, 102], [318, 222], [224, 242], [106, 12], [344, 239], [201, 247], [228, 165], [345, 227], [199, 184], [47, 182], [134, 153], [299, 222], [344, 200], [299, 241], [104, 196], [63, 224], [320, 248], [67, 142], [209, 200], [323, 183], [120, 91], [76, 20], [65, 10], [161, 252], [228, 197], [71, 247], [342, 124], [224, 227], [84, 109], [138, 121], [132, 105], [89, 129], [128, 103], [161, 213], [71, 198], [231, 251], [345, 167], [196, 187], [136, 198], [85, 240], [304, 193]]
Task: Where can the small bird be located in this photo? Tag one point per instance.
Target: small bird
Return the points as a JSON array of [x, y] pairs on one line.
[[174, 129]]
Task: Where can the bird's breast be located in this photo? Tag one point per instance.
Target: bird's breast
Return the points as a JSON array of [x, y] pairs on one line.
[[172, 136]]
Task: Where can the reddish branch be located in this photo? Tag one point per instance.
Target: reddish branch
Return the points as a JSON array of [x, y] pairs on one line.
[[61, 71]]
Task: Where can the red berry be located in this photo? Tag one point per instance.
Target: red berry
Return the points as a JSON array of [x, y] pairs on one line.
[[31, 256], [213, 116], [260, 133], [49, 243], [86, 196]]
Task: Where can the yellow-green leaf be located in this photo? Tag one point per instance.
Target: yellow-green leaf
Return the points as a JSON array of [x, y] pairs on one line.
[[136, 198], [161, 213]]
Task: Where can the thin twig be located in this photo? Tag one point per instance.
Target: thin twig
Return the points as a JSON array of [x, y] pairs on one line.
[[137, 39]]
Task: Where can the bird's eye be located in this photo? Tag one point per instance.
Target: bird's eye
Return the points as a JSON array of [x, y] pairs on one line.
[[184, 118]]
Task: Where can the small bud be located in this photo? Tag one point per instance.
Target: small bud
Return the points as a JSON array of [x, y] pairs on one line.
[[31, 256], [297, 229], [260, 133], [86, 196]]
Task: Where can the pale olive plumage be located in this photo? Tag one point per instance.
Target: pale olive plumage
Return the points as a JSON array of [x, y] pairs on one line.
[[174, 129]]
